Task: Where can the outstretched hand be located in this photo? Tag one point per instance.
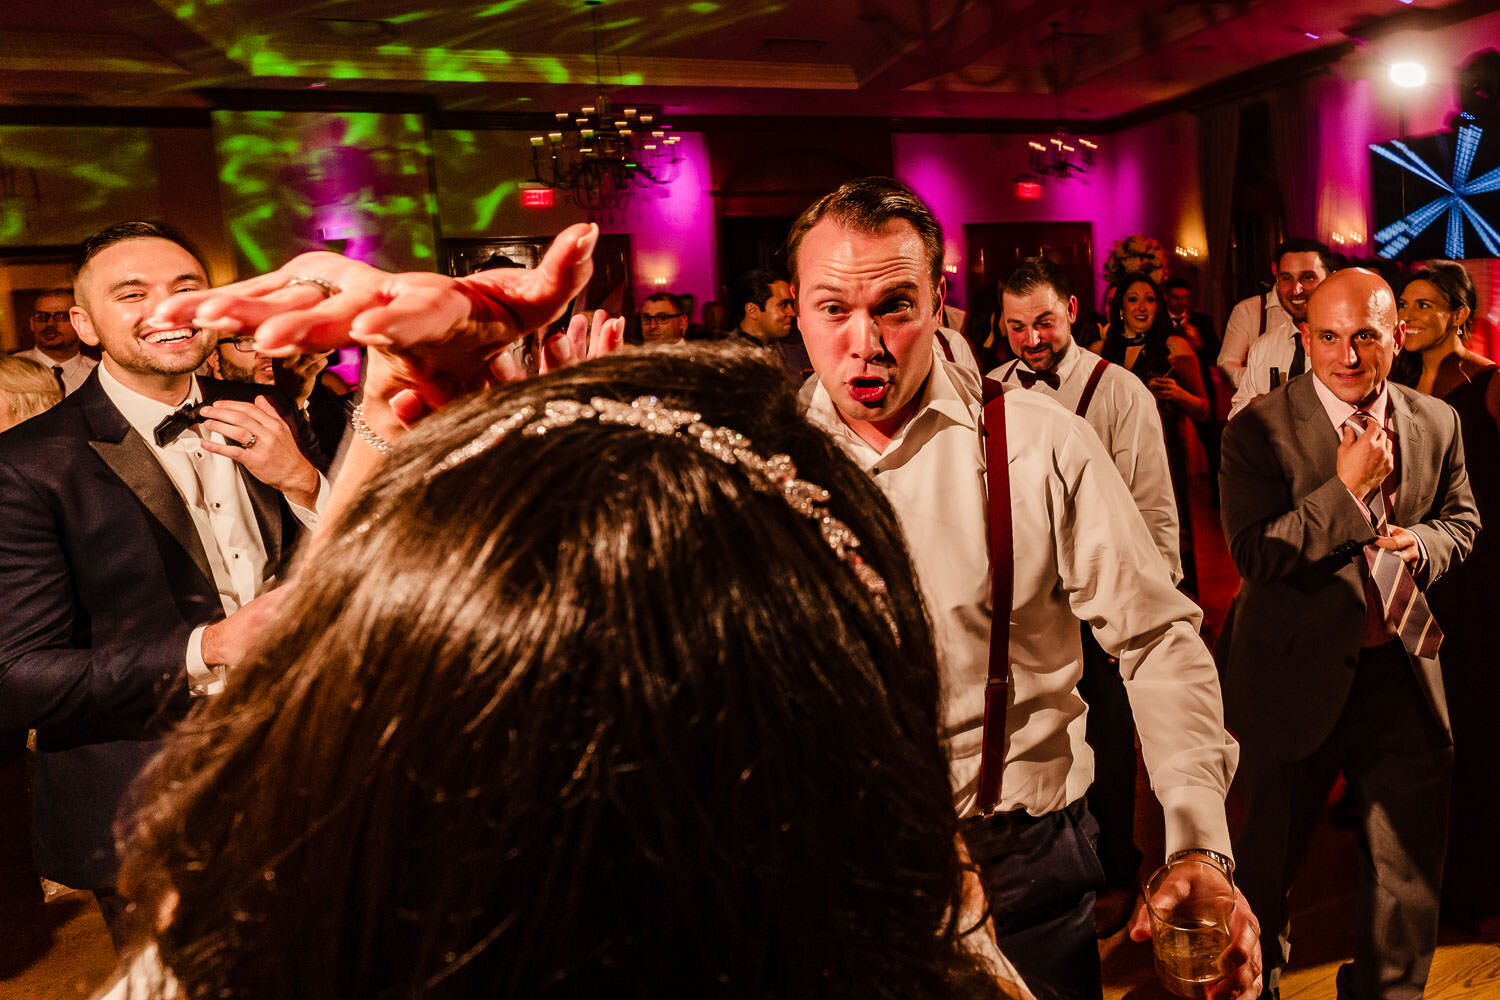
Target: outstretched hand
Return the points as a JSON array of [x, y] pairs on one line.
[[433, 338]]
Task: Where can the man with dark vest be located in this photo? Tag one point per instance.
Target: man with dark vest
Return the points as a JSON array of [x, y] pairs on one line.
[[1008, 500], [1344, 496], [144, 518], [1037, 314]]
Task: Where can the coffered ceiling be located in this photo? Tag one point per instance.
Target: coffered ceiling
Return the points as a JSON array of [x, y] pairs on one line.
[[976, 59]]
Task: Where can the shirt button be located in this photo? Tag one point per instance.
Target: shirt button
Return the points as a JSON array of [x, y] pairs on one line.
[[236, 555], [216, 505], [197, 454]]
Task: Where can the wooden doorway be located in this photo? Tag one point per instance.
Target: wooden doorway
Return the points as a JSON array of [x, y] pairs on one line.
[[994, 249]]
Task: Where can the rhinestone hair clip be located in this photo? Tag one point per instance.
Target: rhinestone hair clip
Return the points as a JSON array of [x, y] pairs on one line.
[[774, 476]]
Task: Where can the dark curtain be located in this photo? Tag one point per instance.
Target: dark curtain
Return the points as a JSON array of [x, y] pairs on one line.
[[1218, 150], [1296, 123]]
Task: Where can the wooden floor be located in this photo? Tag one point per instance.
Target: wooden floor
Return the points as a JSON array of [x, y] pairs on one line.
[[60, 950]]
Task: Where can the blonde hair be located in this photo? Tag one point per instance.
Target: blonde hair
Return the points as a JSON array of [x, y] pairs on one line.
[[27, 387]]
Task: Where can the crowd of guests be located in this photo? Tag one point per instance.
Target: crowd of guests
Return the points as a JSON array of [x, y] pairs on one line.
[[810, 661]]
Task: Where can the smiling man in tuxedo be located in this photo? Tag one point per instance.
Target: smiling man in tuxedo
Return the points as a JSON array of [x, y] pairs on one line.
[[145, 517]]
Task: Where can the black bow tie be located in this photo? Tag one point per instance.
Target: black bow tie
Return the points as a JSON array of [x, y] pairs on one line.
[[178, 421], [1030, 378]]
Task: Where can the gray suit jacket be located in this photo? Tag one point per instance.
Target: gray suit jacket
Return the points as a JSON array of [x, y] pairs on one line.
[[1296, 536]]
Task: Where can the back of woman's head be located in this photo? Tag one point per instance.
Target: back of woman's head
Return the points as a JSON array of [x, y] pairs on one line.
[[26, 389], [574, 713]]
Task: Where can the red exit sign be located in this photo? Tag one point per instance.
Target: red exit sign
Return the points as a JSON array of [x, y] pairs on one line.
[[536, 197]]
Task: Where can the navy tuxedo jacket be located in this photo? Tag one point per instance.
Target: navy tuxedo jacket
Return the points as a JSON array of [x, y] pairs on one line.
[[103, 577]]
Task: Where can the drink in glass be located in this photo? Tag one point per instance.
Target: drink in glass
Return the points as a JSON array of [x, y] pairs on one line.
[[1190, 903]]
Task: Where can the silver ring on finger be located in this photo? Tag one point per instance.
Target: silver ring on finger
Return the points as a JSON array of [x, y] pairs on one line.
[[251, 442], [328, 288]]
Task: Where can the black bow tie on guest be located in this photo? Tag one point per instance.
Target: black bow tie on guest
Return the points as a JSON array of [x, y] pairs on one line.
[[1030, 378], [178, 421]]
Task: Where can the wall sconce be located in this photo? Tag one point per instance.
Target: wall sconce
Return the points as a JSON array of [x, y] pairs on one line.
[[1352, 238], [950, 268], [659, 282], [1188, 253]]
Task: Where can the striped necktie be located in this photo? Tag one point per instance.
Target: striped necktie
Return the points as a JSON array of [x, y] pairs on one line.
[[1402, 605]]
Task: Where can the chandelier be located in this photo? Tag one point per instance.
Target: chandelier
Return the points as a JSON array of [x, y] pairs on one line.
[[598, 154], [1062, 156]]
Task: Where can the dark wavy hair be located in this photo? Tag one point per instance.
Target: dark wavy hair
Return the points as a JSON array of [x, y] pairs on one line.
[[1452, 280], [1155, 358], [585, 715]]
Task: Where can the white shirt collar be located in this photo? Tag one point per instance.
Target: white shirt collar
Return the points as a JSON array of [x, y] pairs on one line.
[[1339, 411], [941, 396], [142, 412]]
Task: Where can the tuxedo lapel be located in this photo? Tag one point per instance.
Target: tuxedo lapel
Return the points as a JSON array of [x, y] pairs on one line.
[[131, 459]]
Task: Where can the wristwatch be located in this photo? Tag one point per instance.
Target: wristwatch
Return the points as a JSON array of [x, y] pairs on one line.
[[1222, 860]]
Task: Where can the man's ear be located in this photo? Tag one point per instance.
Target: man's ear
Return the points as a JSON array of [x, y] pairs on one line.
[[1072, 309], [1306, 336], [213, 364], [1398, 334], [83, 326], [940, 294]]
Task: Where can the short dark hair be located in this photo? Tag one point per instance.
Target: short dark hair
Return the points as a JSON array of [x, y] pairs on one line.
[[133, 229], [1453, 282], [667, 297], [751, 286], [867, 205], [1302, 244], [1034, 272], [1177, 283]]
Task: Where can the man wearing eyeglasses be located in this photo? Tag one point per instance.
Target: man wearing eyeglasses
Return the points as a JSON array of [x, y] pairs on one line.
[[662, 320], [56, 341], [234, 359]]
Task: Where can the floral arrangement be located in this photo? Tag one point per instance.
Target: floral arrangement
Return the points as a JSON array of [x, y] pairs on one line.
[[1136, 254]]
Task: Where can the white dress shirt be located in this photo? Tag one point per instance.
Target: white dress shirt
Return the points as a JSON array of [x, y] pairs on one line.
[[1244, 327], [74, 370], [1082, 553], [963, 352], [219, 504], [1266, 353], [1123, 413]]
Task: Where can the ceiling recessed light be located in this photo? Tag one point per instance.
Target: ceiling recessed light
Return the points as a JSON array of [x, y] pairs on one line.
[[1408, 74], [1312, 35]]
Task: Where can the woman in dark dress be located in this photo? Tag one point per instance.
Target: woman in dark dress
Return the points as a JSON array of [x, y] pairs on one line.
[[1140, 339], [1437, 305]]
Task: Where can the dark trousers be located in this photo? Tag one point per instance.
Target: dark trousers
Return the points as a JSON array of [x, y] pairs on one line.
[[1111, 734], [1398, 762], [1041, 874]]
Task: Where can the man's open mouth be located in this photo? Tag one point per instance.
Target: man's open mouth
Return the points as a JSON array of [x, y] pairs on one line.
[[868, 389]]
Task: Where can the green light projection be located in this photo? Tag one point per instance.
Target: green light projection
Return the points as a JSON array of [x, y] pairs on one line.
[[353, 182], [478, 181], [57, 183]]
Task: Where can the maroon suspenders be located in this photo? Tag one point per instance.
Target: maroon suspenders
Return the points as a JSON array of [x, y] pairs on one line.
[[1090, 386], [1002, 586], [943, 343]]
